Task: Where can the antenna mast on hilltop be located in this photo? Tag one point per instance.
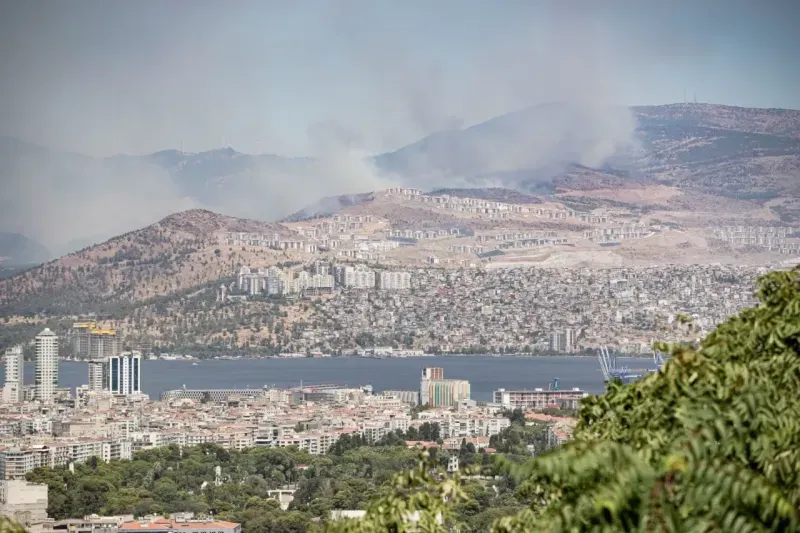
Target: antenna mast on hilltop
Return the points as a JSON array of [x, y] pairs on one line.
[[684, 95], [695, 98]]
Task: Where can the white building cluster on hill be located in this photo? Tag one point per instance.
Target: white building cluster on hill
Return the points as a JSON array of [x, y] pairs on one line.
[[273, 281], [359, 277], [355, 277], [274, 241], [618, 234], [491, 208], [394, 280], [769, 237]]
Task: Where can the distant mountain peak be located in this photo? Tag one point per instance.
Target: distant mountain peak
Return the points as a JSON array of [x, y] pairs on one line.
[[191, 217], [17, 249]]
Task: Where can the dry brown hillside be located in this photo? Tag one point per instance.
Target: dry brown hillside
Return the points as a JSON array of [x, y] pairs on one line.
[[176, 253]]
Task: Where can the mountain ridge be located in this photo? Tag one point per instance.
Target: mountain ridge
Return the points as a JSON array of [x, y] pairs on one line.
[[179, 251], [712, 149]]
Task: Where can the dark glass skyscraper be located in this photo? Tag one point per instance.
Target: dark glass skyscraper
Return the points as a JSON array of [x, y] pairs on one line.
[[125, 373]]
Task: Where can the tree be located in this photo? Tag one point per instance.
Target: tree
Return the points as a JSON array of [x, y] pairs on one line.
[[425, 491], [205, 398], [517, 416], [429, 431], [710, 443]]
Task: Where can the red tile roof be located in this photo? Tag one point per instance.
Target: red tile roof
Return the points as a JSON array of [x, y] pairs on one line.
[[164, 523]]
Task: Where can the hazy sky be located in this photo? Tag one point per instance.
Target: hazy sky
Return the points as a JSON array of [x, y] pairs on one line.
[[107, 76]]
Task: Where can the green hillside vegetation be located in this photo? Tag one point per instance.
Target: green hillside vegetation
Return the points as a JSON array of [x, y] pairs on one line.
[[711, 443]]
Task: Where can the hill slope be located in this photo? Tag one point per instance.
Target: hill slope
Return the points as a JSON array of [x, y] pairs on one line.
[[179, 252]]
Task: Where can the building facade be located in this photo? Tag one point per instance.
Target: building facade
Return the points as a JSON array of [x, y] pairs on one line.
[[125, 373], [447, 392], [428, 374], [15, 463], [12, 388], [98, 375], [215, 395], [46, 365], [394, 281], [539, 398], [80, 338], [103, 344], [356, 277], [436, 391], [92, 342], [23, 502], [410, 397]]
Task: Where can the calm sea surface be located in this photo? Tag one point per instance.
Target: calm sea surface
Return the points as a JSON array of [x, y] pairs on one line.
[[484, 373]]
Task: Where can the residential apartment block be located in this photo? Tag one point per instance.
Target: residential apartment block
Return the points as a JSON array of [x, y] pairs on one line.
[[16, 462], [539, 398], [437, 391], [46, 365], [388, 280], [12, 388]]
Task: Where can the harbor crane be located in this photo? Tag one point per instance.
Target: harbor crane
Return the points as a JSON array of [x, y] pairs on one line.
[[612, 372]]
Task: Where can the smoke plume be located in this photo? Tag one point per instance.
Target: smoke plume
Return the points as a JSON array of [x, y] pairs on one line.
[[339, 92]]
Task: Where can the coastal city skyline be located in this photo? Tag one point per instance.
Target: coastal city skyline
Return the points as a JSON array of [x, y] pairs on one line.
[[352, 267]]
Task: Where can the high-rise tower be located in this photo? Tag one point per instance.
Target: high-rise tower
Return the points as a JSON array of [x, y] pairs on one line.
[[97, 374], [125, 373], [12, 389], [46, 365]]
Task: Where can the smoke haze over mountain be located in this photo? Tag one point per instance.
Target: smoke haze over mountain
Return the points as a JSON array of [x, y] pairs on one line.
[[326, 85]]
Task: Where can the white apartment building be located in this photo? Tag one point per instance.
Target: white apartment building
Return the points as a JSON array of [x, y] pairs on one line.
[[26, 503], [46, 365], [394, 281], [472, 426], [16, 462], [97, 371], [357, 278], [12, 388], [276, 282], [305, 281]]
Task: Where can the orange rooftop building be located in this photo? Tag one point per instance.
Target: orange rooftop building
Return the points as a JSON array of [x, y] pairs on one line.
[[166, 525]]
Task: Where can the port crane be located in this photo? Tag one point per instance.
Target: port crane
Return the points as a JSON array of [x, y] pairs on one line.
[[611, 372]]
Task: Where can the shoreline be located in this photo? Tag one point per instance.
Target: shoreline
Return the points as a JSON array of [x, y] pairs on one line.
[[371, 357]]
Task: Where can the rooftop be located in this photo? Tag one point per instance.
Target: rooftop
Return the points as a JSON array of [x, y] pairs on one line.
[[164, 523]]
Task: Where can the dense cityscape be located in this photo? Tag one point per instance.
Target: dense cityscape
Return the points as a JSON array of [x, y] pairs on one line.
[[385, 267], [389, 313], [355, 307], [329, 309], [109, 419]]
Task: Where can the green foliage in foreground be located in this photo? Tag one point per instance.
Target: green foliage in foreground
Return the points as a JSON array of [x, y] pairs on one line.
[[9, 526], [711, 443]]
